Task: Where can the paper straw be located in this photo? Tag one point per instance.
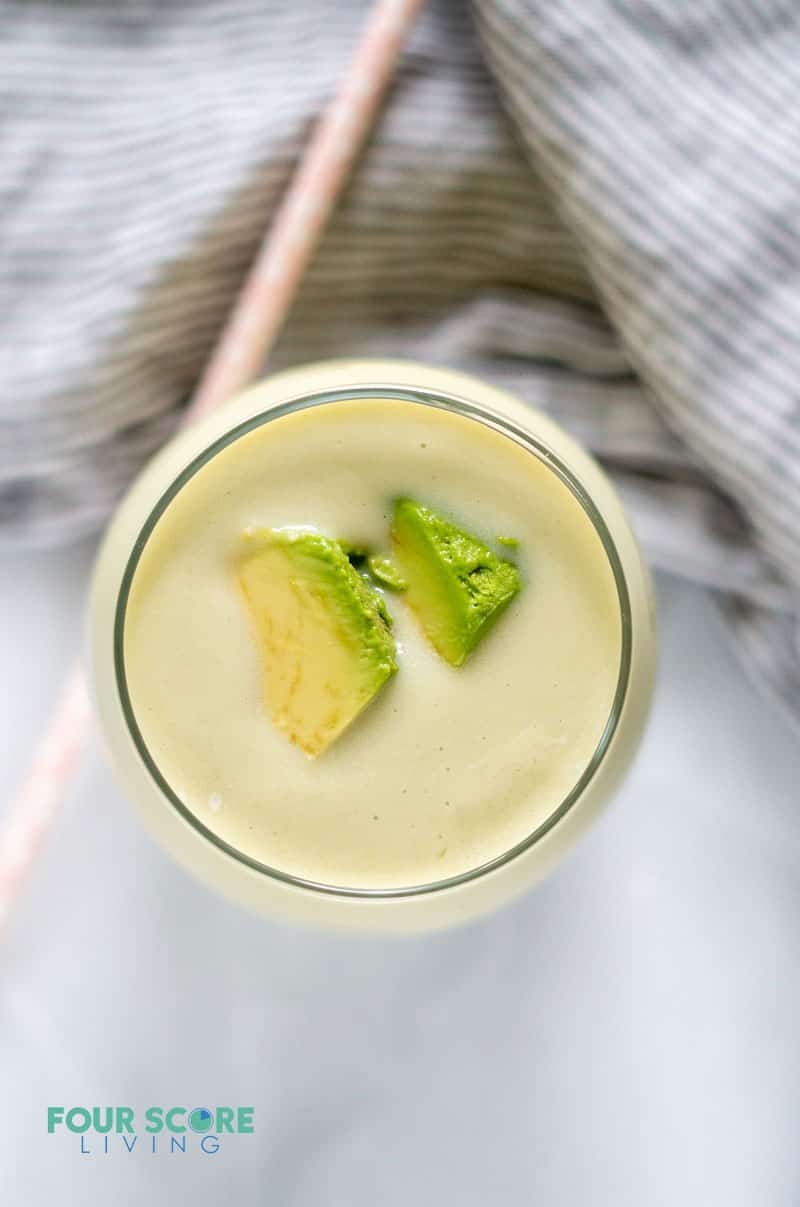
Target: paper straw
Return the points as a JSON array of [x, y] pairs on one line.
[[55, 758], [238, 358]]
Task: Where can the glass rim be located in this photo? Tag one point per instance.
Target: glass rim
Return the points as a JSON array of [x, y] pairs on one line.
[[440, 400]]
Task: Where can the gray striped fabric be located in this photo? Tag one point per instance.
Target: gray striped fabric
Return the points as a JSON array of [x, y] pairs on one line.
[[593, 203]]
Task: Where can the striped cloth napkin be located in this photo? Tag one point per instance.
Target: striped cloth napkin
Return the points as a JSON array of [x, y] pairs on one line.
[[595, 204]]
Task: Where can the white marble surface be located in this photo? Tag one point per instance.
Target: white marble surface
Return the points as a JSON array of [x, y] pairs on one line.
[[627, 1034]]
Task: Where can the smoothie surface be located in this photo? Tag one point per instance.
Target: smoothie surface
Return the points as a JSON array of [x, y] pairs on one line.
[[449, 766]]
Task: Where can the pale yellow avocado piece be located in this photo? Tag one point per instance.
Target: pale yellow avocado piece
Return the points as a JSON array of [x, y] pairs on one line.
[[323, 631]]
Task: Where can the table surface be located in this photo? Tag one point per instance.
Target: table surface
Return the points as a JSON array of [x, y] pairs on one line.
[[625, 1034]]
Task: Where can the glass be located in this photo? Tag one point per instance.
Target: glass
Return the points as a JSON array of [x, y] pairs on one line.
[[635, 611]]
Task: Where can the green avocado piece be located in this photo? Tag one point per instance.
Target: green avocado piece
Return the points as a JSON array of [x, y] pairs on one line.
[[322, 629], [456, 585], [510, 542], [386, 572], [381, 570]]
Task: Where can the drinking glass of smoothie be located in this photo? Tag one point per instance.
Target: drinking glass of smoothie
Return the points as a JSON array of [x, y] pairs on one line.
[[372, 645]]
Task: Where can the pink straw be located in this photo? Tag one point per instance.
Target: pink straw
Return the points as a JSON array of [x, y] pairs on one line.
[[237, 359]]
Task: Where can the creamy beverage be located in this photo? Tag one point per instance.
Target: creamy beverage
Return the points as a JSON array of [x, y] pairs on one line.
[[447, 768]]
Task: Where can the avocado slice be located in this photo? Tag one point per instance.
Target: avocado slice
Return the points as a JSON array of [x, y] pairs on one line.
[[323, 632], [456, 585], [385, 572]]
